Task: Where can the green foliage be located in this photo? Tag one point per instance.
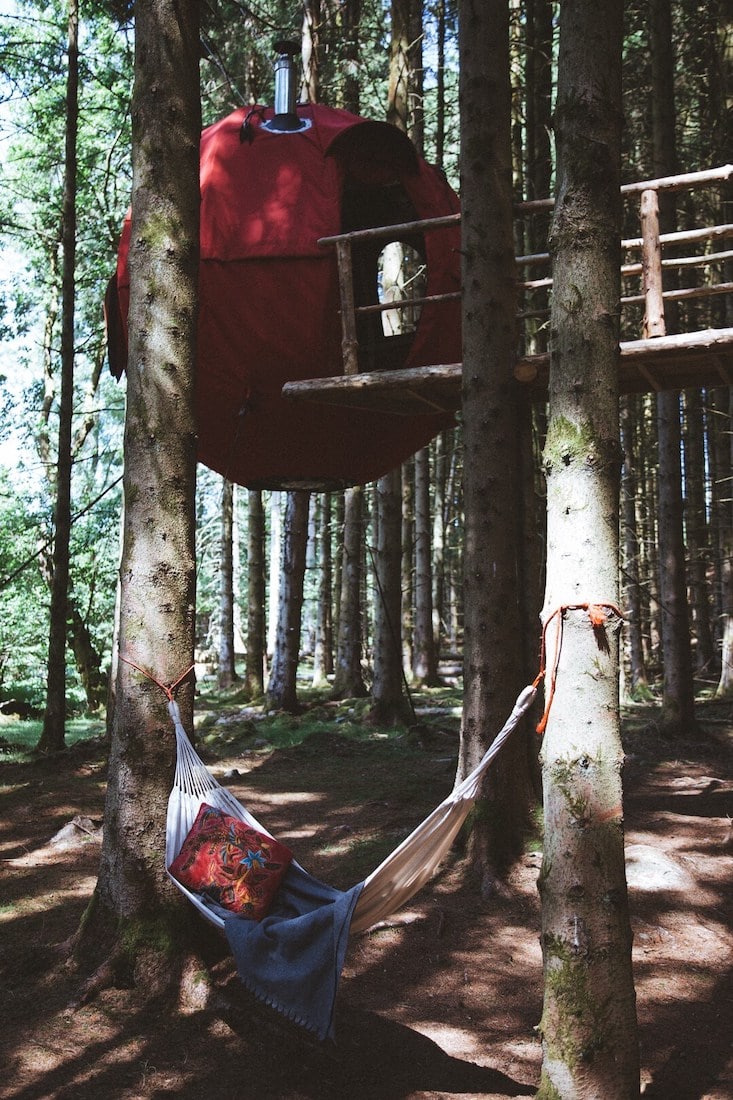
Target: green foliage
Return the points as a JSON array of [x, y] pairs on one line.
[[236, 70], [33, 92]]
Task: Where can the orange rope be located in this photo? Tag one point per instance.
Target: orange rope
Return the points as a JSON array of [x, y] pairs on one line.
[[598, 616], [170, 689]]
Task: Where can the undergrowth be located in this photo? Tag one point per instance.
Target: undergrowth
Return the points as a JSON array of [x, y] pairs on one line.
[[19, 736]]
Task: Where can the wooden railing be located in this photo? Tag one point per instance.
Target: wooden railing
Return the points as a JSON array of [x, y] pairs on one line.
[[648, 352], [344, 244]]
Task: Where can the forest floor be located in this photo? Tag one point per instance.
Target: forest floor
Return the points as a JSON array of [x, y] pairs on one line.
[[443, 1001]]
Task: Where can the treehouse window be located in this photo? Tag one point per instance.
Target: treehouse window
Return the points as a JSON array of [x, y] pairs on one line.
[[401, 278], [384, 271]]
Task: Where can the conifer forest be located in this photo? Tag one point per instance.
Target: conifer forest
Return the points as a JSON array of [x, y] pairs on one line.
[[409, 386]]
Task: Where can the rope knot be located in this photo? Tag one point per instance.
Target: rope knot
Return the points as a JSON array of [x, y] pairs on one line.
[[169, 690], [598, 616]]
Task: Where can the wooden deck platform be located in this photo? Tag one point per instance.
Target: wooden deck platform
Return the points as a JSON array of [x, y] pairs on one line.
[[657, 362], [697, 359]]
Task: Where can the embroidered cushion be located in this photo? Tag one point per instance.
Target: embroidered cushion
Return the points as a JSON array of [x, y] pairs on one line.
[[232, 863]]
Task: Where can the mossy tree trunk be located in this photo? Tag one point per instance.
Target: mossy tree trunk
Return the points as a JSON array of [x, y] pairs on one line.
[[589, 1031], [493, 654], [134, 899]]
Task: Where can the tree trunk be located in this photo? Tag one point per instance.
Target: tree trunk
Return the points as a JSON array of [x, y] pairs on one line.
[[697, 534], [678, 686], [454, 574], [425, 659], [398, 92], [638, 686], [439, 12], [134, 898], [721, 61], [309, 616], [276, 537], [407, 542], [588, 1027], [722, 463], [310, 51], [351, 22], [647, 503], [254, 676], [226, 672], [678, 697], [348, 682], [54, 720], [440, 472], [493, 656], [282, 687], [323, 649], [88, 660], [389, 704]]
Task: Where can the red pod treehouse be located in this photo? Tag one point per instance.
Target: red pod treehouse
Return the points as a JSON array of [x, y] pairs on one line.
[[273, 182]]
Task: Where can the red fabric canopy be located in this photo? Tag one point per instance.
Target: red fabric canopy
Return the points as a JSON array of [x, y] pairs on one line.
[[269, 304]]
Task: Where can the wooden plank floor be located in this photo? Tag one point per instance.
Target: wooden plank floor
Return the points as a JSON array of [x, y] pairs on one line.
[[694, 360]]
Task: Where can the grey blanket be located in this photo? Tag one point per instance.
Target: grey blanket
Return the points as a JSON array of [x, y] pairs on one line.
[[293, 958]]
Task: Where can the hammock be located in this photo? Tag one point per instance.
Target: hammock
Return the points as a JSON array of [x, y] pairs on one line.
[[293, 958]]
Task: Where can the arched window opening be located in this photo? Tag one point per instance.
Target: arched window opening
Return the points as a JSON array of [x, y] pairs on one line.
[[384, 270]]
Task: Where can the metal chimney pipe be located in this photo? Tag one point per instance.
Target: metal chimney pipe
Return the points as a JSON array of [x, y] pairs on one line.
[[285, 119]]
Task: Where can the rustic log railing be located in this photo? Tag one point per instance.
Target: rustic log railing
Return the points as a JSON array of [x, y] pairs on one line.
[[344, 243], [651, 359]]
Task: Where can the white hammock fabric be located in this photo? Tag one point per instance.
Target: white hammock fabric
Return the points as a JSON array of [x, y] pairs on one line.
[[393, 882]]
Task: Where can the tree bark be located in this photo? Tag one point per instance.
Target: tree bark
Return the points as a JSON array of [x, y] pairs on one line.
[[323, 648], [697, 534], [88, 660], [407, 543], [254, 674], [310, 33], [399, 88], [588, 1027], [351, 22], [493, 655], [282, 686], [440, 471], [226, 672], [678, 697], [638, 686], [348, 680], [134, 897], [647, 505], [425, 658], [722, 463], [54, 720], [388, 701], [275, 572]]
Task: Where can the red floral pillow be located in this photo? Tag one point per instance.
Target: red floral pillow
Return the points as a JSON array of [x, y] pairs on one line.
[[234, 864]]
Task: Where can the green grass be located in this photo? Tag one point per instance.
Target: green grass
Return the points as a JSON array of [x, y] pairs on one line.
[[19, 736], [227, 721]]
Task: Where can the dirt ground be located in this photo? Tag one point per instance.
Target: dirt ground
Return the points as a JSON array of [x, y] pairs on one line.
[[442, 1002]]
